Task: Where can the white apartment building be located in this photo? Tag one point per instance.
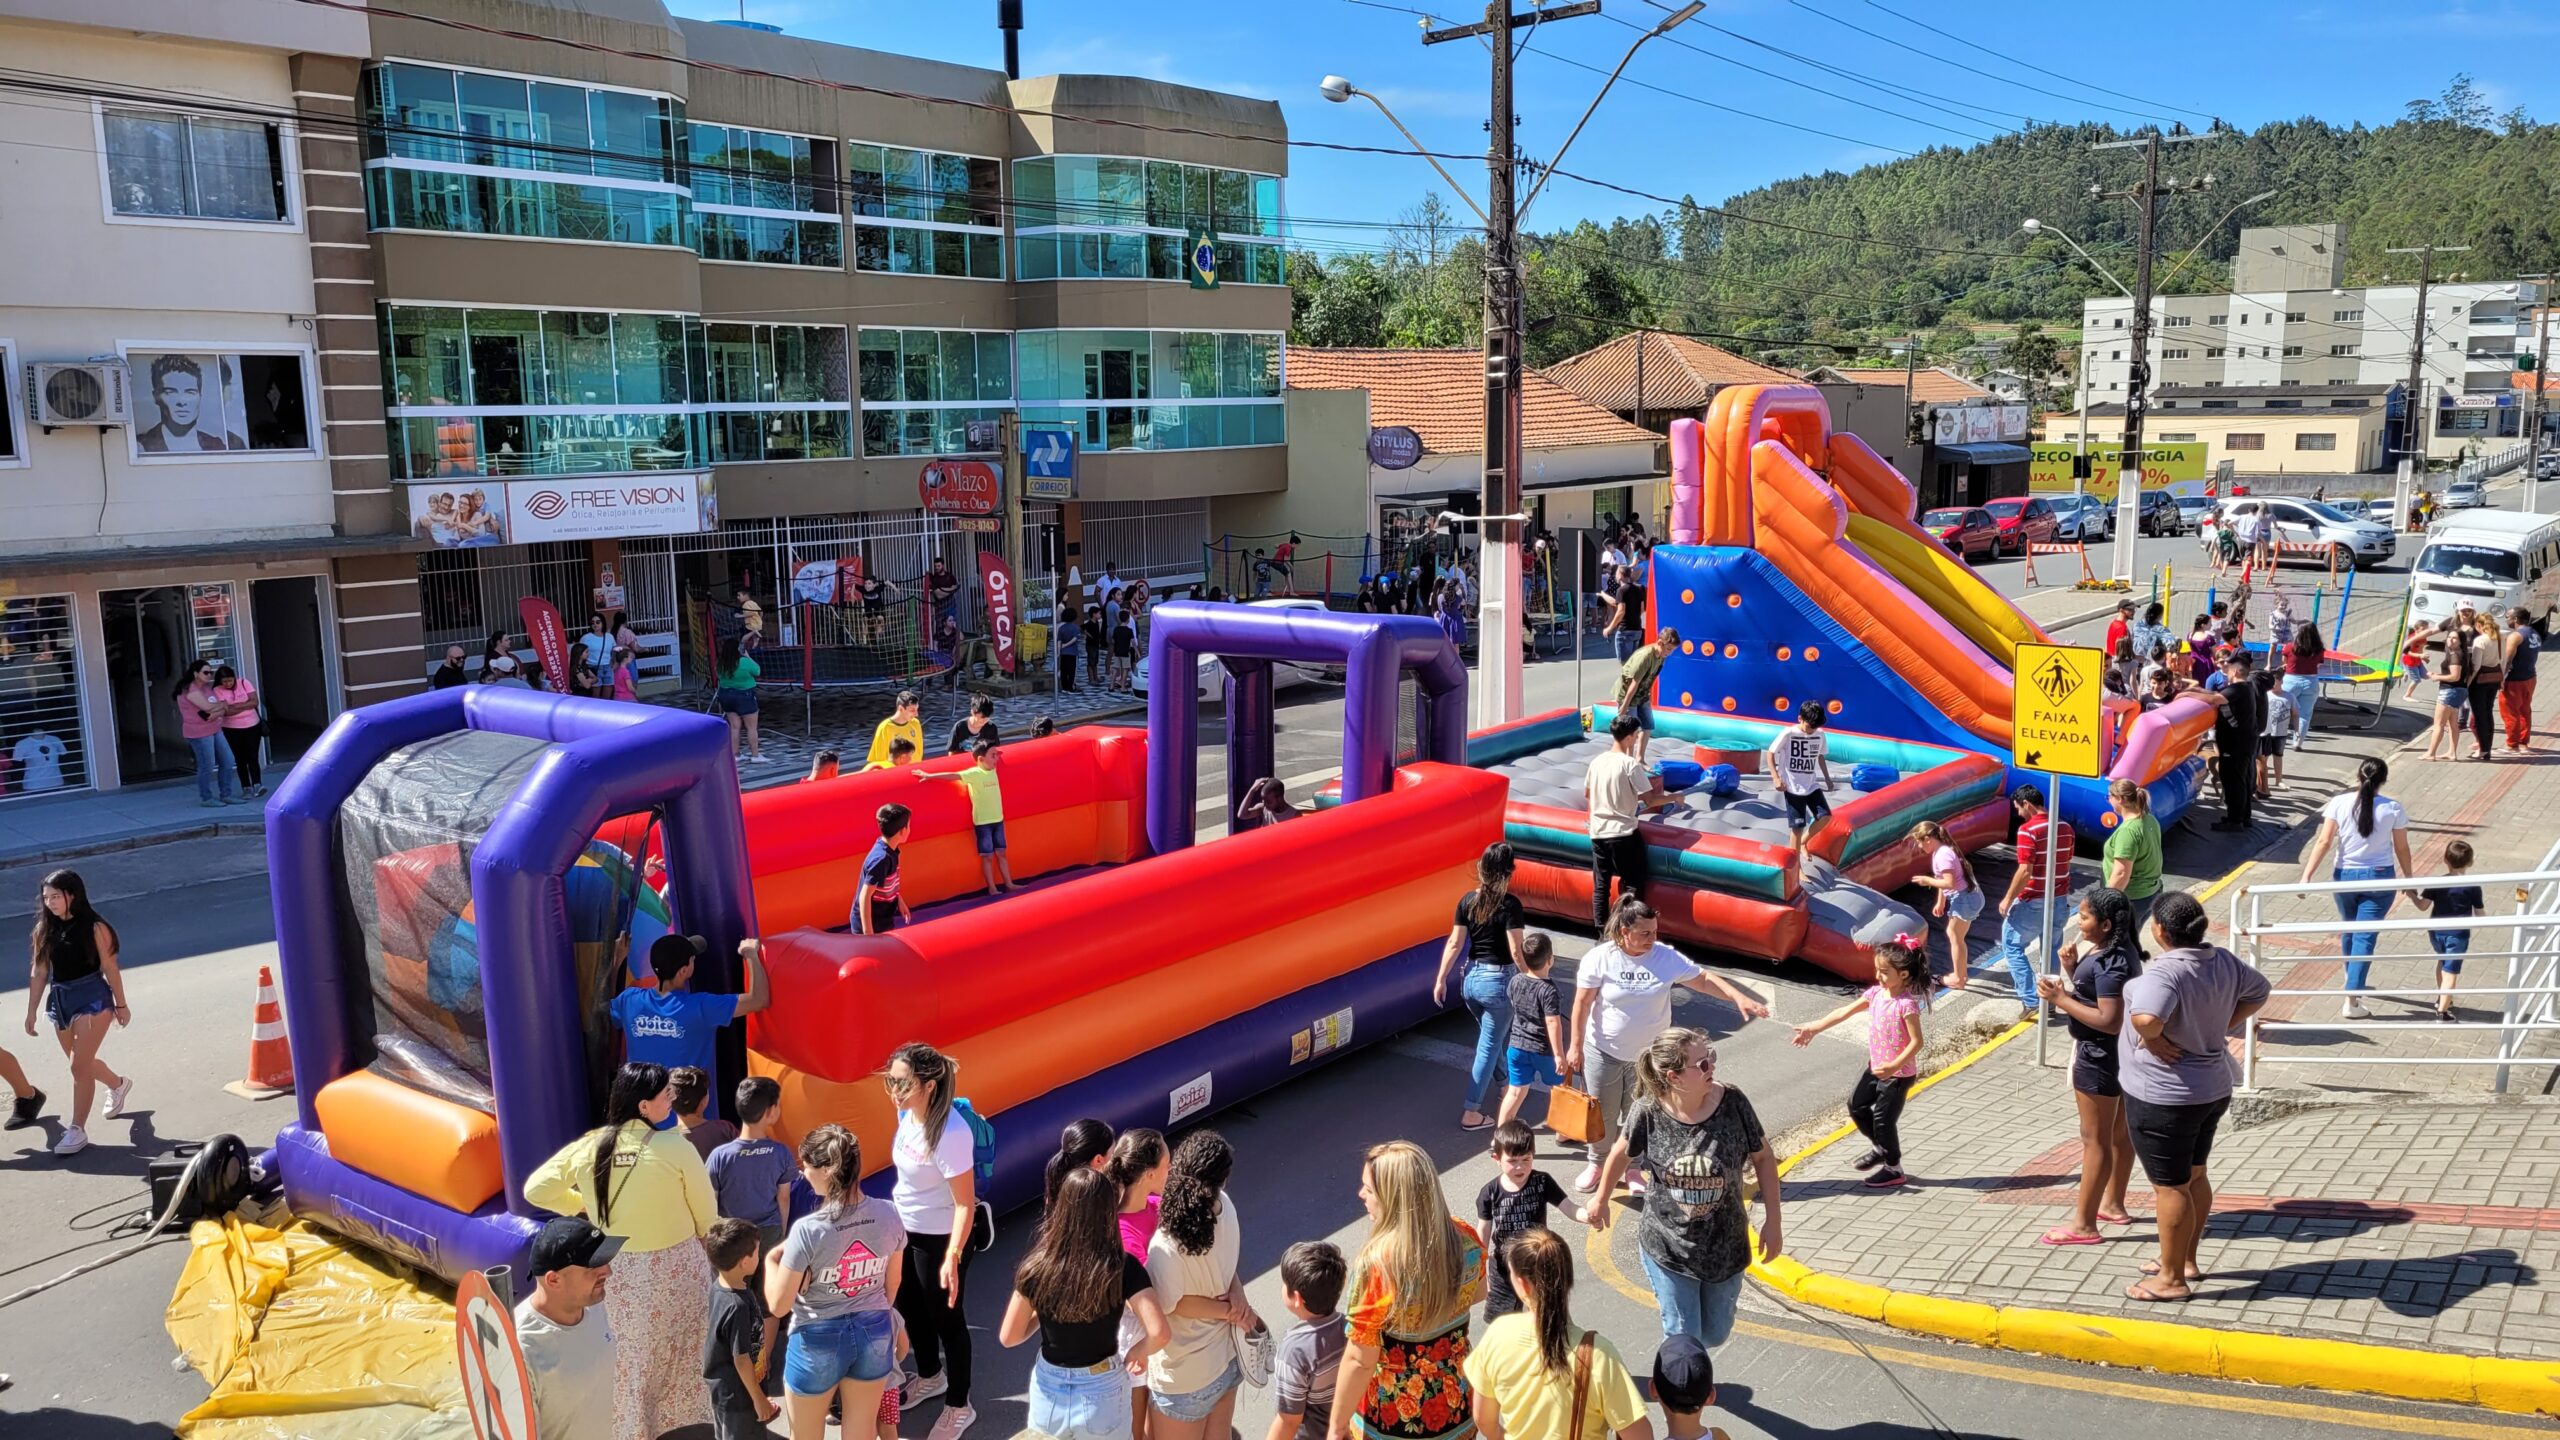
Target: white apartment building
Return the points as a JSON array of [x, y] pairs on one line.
[[2283, 328]]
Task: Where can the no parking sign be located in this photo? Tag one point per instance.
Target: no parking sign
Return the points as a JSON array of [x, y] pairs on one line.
[[495, 1383]]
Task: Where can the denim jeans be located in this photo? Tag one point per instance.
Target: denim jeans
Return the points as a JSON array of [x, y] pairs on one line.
[[1487, 991], [2304, 692], [1700, 1309], [1076, 1405], [2363, 905], [1624, 643], [213, 768], [2022, 926]]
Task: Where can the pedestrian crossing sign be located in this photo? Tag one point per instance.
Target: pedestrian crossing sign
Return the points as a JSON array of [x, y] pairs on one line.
[[2058, 712]]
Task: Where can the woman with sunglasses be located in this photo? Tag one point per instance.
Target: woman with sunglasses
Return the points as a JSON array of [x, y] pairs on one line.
[[936, 1194], [200, 716]]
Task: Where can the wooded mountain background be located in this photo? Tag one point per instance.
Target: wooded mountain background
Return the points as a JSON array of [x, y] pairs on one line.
[[1828, 267]]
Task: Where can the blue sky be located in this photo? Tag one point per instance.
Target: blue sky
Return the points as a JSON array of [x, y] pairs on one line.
[[2248, 62]]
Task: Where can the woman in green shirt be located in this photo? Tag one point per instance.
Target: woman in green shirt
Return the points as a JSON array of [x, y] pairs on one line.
[[2132, 856], [737, 695]]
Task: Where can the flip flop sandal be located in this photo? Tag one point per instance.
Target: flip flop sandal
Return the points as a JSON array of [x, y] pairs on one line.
[[2105, 1219], [2151, 1271], [2058, 1236], [2141, 1290]]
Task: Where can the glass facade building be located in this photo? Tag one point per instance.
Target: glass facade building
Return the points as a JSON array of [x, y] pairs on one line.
[[1108, 217], [1154, 390]]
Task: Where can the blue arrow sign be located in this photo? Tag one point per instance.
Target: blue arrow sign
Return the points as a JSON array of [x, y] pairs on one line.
[[1048, 454]]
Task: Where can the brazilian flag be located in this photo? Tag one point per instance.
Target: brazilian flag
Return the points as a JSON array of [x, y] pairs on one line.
[[1200, 257]]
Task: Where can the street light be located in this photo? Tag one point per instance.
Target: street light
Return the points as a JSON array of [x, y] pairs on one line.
[[1340, 91]]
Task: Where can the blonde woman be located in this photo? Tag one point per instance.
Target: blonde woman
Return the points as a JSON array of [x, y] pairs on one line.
[[2488, 677], [1694, 1133], [1416, 1278]]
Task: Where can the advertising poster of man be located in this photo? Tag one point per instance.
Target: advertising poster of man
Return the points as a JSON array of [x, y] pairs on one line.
[[183, 401]]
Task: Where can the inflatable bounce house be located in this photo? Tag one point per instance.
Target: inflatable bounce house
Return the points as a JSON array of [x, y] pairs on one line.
[[1796, 571], [455, 879]]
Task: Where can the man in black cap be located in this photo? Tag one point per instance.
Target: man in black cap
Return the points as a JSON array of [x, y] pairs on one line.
[[568, 1348], [1684, 1380]]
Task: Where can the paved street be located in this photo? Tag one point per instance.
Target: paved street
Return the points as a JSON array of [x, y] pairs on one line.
[[91, 1357]]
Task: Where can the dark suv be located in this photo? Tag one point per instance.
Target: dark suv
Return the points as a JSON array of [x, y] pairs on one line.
[[2159, 513]]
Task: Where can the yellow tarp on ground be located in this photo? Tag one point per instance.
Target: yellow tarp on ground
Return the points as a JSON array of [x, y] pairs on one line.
[[305, 1337]]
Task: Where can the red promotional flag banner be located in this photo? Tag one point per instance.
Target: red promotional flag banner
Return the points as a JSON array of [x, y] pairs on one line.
[[998, 584], [550, 643]]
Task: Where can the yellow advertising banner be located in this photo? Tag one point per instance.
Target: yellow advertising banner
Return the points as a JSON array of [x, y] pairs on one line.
[[2176, 465], [2059, 709]]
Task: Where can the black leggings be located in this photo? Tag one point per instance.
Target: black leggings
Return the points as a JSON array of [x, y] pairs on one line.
[[1619, 855], [2237, 760], [2484, 711], [244, 756], [937, 1329], [1875, 1107]]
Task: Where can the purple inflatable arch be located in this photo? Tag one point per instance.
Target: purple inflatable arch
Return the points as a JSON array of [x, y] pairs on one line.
[[1374, 650], [608, 759]]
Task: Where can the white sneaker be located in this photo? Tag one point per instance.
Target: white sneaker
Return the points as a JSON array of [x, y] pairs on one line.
[[951, 1423], [921, 1389], [1589, 1179], [73, 1141], [2354, 1009], [115, 1097]]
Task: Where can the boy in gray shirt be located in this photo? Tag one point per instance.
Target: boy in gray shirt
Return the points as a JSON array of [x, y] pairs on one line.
[[1311, 1274]]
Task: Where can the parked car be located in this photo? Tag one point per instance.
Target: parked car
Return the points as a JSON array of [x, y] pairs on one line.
[[2083, 517], [2465, 495], [2024, 520], [2159, 513], [2547, 467], [2381, 511], [2191, 512], [1965, 529], [2347, 539], [1211, 681]]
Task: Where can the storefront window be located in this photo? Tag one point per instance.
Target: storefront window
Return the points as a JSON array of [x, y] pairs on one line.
[[43, 745]]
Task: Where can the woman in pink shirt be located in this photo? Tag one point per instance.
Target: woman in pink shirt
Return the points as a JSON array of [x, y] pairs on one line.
[[200, 715], [244, 728]]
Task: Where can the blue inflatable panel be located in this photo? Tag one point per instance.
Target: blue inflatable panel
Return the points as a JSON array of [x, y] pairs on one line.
[[1680, 774]]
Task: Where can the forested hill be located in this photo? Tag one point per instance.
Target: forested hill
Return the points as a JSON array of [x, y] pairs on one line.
[[1935, 239]]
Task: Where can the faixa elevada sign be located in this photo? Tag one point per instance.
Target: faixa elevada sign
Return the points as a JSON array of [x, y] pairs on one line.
[[959, 487]]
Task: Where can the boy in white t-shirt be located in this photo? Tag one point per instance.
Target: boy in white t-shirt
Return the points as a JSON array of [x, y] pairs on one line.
[[1800, 760]]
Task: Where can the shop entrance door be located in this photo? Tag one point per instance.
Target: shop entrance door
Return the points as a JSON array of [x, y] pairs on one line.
[[292, 672], [152, 636]]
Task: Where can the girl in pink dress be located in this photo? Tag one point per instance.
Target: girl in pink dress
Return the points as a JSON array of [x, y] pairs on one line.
[[1893, 1007]]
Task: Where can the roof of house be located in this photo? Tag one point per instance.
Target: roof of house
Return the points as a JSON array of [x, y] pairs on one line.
[[1679, 373], [1439, 394], [1933, 385]]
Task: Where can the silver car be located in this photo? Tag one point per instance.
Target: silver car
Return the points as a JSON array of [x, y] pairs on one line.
[[2322, 534], [2466, 495], [2083, 517]]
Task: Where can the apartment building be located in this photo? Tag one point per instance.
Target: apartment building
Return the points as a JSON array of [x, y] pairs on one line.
[[2291, 322], [412, 317], [780, 288], [178, 477]]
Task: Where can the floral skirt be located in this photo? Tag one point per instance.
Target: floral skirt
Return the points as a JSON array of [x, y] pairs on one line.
[[1420, 1392], [659, 1304]]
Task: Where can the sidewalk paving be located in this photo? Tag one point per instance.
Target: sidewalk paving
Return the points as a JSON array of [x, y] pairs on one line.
[[2394, 1205]]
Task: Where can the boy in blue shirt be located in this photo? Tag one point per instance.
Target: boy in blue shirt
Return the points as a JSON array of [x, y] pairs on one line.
[[2451, 902], [666, 1024]]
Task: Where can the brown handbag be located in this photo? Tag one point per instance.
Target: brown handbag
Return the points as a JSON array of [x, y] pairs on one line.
[[1573, 1114]]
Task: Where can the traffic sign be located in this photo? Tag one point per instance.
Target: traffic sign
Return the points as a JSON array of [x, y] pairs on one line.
[[496, 1386], [2059, 710], [1048, 462]]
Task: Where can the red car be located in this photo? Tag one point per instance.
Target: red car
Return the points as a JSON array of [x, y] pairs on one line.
[[2023, 520], [1964, 529]]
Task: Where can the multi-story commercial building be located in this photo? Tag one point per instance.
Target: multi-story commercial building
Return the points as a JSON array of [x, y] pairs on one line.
[[182, 214], [2292, 322], [487, 316]]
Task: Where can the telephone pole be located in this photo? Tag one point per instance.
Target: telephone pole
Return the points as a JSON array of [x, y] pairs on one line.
[[2131, 463], [2541, 361], [2414, 415]]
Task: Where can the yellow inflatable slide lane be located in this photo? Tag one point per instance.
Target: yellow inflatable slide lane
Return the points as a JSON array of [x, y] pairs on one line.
[[303, 1335], [1877, 492], [1928, 571]]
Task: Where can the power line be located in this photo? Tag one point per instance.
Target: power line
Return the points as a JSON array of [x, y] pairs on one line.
[[2029, 64], [1948, 104], [1931, 55], [1791, 80]]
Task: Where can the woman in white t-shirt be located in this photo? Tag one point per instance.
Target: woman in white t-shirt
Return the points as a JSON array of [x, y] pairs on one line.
[[1191, 1382], [1621, 1001], [936, 1196], [2372, 837]]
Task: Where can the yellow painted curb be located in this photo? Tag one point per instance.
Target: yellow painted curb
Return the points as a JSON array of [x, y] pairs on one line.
[[2521, 1387], [1849, 1297], [2109, 1339], [1966, 1320]]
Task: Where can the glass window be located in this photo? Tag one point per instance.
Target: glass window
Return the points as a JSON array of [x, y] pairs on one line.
[[164, 164], [577, 350], [908, 185], [959, 377], [927, 187], [865, 180], [921, 354], [880, 366], [1266, 205], [1035, 193], [560, 129], [995, 367], [1164, 194], [426, 352], [631, 132], [506, 358], [1120, 192], [951, 189], [495, 109], [986, 193], [415, 116], [648, 360], [1232, 206], [986, 257], [730, 374], [707, 148]]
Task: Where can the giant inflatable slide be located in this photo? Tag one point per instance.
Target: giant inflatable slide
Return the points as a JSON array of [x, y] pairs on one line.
[[1796, 571]]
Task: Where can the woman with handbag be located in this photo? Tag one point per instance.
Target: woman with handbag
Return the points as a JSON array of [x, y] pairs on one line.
[[244, 727], [1536, 1375], [1417, 1277]]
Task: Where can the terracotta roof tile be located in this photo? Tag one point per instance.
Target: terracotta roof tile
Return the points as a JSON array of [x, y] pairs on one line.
[[1680, 373], [1440, 395], [1931, 385]]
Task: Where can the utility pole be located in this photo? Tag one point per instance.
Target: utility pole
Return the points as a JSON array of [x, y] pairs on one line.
[[2414, 414], [1502, 583], [2130, 464], [2541, 363]]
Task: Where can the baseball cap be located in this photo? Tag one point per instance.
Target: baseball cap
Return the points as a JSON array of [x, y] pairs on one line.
[[1683, 1376], [572, 1240], [2464, 604], [671, 953]]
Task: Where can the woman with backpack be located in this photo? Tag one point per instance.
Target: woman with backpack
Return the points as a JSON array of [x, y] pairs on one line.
[[935, 1153]]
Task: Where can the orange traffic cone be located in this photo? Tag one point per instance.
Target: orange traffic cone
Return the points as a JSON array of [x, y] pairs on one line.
[[270, 1055]]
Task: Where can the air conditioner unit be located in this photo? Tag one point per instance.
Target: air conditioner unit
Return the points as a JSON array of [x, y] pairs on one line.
[[85, 392]]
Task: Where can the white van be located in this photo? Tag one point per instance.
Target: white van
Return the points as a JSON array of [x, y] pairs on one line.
[[2496, 559]]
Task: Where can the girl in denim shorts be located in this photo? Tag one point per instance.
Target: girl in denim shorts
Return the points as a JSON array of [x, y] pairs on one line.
[[82, 990], [838, 1272]]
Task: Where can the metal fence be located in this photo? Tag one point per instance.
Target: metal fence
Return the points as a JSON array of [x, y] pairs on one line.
[[2528, 1002], [1163, 542]]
